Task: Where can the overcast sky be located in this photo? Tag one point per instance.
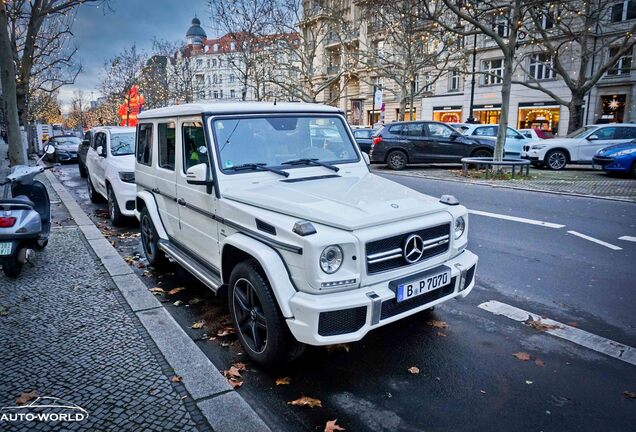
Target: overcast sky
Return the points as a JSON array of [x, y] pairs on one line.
[[101, 35]]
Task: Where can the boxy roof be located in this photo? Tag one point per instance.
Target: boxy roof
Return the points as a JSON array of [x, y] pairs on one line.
[[236, 108]]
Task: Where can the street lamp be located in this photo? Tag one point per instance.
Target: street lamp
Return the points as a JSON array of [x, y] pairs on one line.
[[471, 118]]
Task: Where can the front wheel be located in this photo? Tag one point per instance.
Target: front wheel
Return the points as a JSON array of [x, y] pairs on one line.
[[396, 160], [556, 160], [150, 240], [11, 267], [113, 209], [260, 326]]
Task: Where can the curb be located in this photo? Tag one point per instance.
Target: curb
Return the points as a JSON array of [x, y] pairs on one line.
[[480, 183], [208, 388]]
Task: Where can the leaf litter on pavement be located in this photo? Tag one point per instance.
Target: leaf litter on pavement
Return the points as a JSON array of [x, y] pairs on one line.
[[26, 397], [306, 401], [332, 426], [524, 356], [233, 374], [437, 324], [541, 326], [283, 381]]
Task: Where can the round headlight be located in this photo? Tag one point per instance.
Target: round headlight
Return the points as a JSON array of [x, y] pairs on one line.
[[460, 226], [331, 259]]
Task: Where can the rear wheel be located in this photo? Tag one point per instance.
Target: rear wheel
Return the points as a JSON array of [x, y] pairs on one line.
[[556, 160], [150, 240], [396, 160], [113, 209], [11, 267], [481, 153], [260, 326], [94, 196]]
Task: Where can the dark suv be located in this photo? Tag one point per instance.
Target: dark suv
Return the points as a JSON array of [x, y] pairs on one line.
[[402, 143]]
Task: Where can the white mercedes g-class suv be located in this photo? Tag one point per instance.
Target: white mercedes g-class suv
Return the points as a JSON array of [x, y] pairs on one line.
[[311, 247]]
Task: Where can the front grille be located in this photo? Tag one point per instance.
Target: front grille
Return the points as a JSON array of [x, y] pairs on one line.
[[342, 321], [526, 148], [387, 254], [603, 159], [392, 307]]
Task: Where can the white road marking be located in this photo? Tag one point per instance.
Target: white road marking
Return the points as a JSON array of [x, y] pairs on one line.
[[597, 241], [628, 238], [516, 219], [563, 331]]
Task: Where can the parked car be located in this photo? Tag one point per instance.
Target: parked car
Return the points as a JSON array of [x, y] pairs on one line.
[[579, 147], [311, 247], [364, 138], [110, 165], [514, 140], [617, 158], [66, 148], [536, 134], [83, 150], [403, 143]]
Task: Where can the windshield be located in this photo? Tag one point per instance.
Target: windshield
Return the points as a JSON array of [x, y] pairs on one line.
[[581, 133], [275, 140], [66, 141], [122, 144]]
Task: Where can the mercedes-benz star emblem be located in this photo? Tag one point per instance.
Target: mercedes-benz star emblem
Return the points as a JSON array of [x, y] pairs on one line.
[[413, 248]]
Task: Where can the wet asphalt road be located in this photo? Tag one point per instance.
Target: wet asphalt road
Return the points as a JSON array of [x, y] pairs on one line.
[[469, 378]]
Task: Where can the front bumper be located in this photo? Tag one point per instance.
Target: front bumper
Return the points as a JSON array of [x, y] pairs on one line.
[[126, 194], [614, 164], [66, 156], [352, 314]]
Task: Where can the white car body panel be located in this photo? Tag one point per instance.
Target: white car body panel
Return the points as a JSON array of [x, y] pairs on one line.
[[512, 146]]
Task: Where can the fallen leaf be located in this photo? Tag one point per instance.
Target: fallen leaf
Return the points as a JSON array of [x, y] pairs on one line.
[[174, 291], [240, 366], [139, 264], [225, 331], [235, 383], [197, 325], [176, 378], [306, 401], [232, 372], [441, 334], [157, 290], [26, 397], [629, 394], [195, 301], [539, 362], [437, 324], [414, 370], [540, 326], [129, 260], [283, 381], [338, 347], [331, 426], [522, 356]]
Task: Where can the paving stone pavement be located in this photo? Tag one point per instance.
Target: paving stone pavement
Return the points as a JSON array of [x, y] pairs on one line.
[[576, 180]]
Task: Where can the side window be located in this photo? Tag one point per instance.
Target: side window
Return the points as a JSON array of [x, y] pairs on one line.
[[144, 144], [194, 149], [490, 131], [396, 129], [166, 143], [94, 142], [606, 133], [625, 133], [511, 133], [436, 130], [100, 140], [87, 137], [413, 129]]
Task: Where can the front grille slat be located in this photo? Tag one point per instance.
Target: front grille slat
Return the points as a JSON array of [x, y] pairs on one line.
[[386, 254]]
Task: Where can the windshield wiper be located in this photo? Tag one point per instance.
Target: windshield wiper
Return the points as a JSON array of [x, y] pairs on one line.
[[258, 167], [313, 161]]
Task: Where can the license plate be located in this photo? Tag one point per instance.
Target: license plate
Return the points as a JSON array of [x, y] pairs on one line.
[[5, 248], [418, 287]]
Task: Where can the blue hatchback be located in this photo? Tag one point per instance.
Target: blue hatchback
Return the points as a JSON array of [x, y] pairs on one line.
[[617, 158]]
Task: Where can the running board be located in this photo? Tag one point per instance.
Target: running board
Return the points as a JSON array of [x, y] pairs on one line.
[[201, 272]]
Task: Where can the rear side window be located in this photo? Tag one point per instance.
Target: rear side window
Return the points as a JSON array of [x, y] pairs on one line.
[[490, 131], [396, 129], [436, 130], [194, 149], [144, 144], [362, 134], [413, 129], [166, 142], [625, 133], [605, 133]]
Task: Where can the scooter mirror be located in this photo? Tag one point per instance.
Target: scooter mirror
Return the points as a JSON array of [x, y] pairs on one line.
[[49, 149]]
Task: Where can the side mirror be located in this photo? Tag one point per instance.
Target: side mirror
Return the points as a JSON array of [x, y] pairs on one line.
[[454, 135], [49, 149], [100, 151], [198, 175], [593, 137], [366, 158]]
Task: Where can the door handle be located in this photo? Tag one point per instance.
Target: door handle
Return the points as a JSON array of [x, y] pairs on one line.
[[156, 190], [181, 201]]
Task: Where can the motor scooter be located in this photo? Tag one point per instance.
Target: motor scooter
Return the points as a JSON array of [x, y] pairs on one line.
[[25, 219]]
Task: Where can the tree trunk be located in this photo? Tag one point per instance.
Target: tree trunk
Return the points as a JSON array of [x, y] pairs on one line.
[[576, 113], [505, 106], [17, 150], [403, 100]]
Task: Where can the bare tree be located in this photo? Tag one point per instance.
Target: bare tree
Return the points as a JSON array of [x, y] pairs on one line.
[[45, 108], [79, 114], [580, 46], [34, 55], [180, 71]]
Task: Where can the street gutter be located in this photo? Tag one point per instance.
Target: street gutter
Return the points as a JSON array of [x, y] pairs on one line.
[[211, 392]]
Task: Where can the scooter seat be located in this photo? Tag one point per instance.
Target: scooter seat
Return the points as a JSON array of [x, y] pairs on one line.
[[20, 199]]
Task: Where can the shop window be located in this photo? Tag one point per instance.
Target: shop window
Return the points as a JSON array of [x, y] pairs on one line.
[[541, 67], [624, 64], [612, 109], [624, 10], [487, 116], [448, 116], [492, 71], [545, 118]]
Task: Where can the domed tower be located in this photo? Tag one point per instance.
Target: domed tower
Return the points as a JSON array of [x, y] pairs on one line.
[[196, 35]]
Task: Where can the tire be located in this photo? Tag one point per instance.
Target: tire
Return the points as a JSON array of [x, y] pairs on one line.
[[94, 196], [11, 267], [259, 324], [396, 160], [39, 247], [113, 209], [481, 153], [556, 160], [150, 240], [82, 169]]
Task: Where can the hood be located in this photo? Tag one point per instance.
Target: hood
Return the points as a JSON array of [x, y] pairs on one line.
[[350, 203], [67, 147], [124, 163], [616, 148]]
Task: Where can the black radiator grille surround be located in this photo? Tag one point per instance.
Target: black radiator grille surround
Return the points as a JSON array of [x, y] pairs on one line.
[[342, 321], [397, 241], [392, 307]]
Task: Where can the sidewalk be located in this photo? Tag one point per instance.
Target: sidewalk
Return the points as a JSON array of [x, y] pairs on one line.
[[80, 327], [574, 180]]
